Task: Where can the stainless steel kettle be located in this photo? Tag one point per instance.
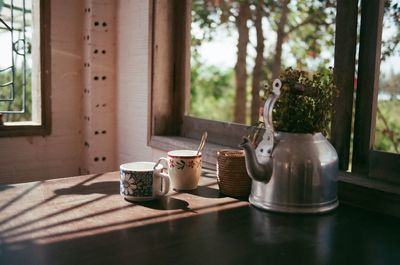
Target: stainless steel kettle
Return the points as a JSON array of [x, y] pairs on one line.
[[291, 172]]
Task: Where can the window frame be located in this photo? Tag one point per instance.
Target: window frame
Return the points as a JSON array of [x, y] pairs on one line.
[[169, 75], [170, 23], [379, 165], [29, 128]]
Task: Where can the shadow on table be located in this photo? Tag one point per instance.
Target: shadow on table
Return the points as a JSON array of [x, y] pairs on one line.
[[205, 192], [211, 193], [239, 235], [164, 203], [6, 187], [105, 187]]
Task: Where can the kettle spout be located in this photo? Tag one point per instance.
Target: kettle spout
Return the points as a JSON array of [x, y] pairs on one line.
[[259, 169]]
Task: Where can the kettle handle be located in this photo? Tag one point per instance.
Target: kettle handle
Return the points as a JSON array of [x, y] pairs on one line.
[[270, 102], [268, 137]]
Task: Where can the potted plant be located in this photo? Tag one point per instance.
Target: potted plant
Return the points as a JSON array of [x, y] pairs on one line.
[[306, 102], [294, 167]]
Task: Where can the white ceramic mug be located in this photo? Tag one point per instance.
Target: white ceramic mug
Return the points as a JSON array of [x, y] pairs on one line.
[[142, 181], [184, 168]]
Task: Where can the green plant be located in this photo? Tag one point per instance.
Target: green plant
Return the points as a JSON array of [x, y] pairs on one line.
[[306, 102]]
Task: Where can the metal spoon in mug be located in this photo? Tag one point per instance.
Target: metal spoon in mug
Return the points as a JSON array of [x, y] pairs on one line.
[[202, 143]]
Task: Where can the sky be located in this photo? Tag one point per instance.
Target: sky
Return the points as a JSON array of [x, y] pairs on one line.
[[222, 52], [5, 54]]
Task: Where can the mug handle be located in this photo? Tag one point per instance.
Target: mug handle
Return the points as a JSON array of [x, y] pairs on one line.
[[165, 180], [161, 162]]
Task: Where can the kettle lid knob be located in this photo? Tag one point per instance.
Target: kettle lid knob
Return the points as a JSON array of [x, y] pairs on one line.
[[276, 87]]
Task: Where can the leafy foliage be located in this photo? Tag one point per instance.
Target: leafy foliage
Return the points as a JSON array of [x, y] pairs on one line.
[[306, 102], [310, 26], [211, 92], [391, 22], [387, 136], [390, 84]]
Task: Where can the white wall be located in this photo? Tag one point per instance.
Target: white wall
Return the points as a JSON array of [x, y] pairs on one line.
[[57, 155], [133, 82]]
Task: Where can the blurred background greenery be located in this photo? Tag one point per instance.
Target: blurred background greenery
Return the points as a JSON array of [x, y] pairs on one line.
[[17, 103], [238, 44]]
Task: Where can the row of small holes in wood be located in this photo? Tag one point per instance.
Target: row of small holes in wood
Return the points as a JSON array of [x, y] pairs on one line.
[[97, 23], [96, 159], [95, 51], [96, 78], [87, 118]]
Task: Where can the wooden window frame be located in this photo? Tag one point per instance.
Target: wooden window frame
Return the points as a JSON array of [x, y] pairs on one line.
[[171, 128], [367, 161], [44, 128]]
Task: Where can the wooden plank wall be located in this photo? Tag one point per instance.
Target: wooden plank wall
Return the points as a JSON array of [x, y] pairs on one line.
[[99, 67], [59, 154], [133, 82]]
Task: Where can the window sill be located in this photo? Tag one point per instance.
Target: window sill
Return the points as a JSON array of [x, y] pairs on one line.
[[371, 194], [11, 129], [359, 191]]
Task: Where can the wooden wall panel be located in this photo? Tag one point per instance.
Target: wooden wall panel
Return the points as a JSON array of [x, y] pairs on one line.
[[133, 41], [170, 56], [58, 154], [99, 67]]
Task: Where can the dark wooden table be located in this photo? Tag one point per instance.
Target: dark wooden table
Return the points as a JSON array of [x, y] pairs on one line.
[[84, 220]]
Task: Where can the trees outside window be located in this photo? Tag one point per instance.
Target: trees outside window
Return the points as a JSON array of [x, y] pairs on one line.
[[259, 39], [314, 35]]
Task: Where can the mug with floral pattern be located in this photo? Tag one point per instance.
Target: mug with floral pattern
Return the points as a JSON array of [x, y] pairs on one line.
[[141, 181], [184, 168]]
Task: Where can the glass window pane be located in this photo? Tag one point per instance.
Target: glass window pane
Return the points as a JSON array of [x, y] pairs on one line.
[[16, 34], [387, 132], [238, 44]]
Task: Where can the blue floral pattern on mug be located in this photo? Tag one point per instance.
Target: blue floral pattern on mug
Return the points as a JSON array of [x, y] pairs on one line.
[[138, 184]]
